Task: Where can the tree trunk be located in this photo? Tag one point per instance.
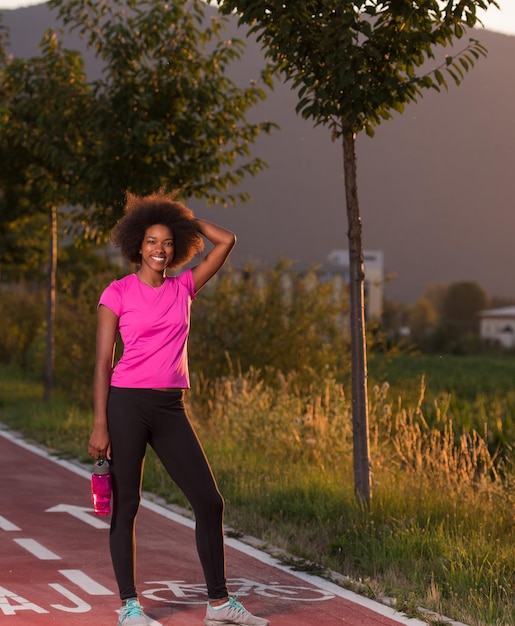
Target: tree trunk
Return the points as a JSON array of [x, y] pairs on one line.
[[360, 434], [50, 305]]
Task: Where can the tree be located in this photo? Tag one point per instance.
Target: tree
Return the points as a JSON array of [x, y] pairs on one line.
[[42, 100], [460, 307], [166, 113], [436, 294], [353, 63], [422, 320], [14, 260], [163, 114]]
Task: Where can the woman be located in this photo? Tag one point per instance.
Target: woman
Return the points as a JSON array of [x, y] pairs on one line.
[[140, 402]]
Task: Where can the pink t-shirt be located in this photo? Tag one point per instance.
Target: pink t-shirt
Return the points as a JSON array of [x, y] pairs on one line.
[[154, 324]]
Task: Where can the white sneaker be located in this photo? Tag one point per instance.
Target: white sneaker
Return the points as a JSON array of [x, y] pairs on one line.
[[234, 613], [131, 614]]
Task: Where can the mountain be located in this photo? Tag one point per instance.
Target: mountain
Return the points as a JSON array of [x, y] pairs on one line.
[[436, 184]]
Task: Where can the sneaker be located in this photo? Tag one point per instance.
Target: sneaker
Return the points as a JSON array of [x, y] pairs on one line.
[[132, 614], [232, 612]]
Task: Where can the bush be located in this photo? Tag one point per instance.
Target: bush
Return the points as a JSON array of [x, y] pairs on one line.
[[272, 321], [23, 332], [76, 323], [22, 310]]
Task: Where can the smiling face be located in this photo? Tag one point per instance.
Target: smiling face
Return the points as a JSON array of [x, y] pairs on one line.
[[157, 248]]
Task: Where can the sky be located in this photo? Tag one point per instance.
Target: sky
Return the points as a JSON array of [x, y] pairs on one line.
[[501, 21]]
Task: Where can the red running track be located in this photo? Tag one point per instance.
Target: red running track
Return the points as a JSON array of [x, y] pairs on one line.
[[55, 566]]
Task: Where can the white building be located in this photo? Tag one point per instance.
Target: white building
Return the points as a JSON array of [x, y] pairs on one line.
[[336, 271], [497, 327], [337, 266]]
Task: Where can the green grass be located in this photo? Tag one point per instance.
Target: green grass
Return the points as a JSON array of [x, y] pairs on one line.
[[61, 425], [439, 533], [478, 390]]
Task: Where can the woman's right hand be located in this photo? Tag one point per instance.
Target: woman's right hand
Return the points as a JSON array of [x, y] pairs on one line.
[[100, 443]]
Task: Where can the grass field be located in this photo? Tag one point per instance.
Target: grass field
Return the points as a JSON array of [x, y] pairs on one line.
[[439, 533]]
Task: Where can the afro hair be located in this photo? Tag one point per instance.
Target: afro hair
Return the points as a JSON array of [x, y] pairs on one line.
[[142, 212]]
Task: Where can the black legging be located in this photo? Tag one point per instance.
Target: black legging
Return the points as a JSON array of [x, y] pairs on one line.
[[140, 416]]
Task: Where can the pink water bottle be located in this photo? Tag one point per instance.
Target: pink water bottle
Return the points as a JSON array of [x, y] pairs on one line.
[[101, 487]]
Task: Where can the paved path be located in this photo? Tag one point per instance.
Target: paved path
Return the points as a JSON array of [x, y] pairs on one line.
[[55, 567]]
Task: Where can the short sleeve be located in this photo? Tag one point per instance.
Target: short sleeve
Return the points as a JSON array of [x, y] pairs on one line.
[[112, 297], [186, 280]]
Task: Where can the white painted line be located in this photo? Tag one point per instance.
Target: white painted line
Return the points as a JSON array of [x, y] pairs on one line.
[[164, 512], [84, 514], [80, 605], [19, 603], [14, 438], [37, 550], [5, 524], [86, 583]]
